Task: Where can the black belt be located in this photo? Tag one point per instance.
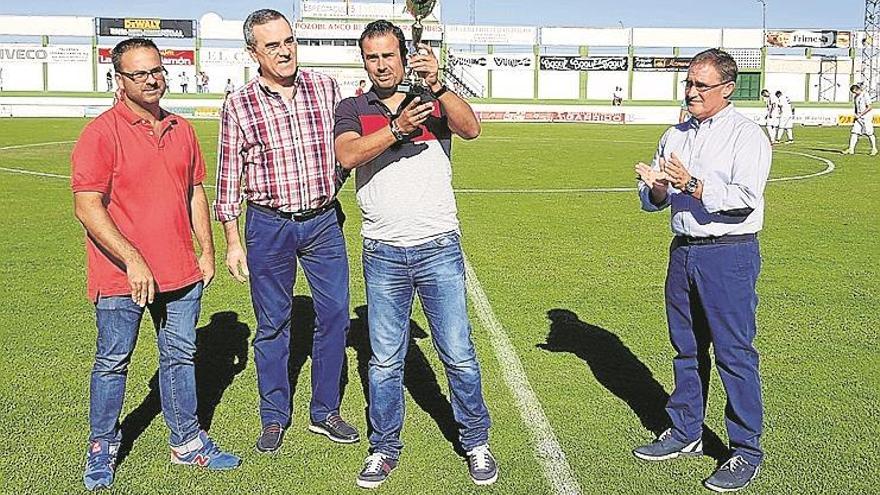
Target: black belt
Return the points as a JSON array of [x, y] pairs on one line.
[[683, 240], [296, 216]]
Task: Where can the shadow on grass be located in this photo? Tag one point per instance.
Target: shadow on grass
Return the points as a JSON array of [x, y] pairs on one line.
[[419, 378], [221, 354], [622, 373]]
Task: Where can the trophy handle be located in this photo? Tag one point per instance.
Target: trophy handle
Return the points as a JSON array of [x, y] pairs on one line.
[[417, 30]]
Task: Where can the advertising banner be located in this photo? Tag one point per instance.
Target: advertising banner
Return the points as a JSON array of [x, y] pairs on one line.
[[151, 28], [169, 57], [552, 116], [494, 61], [575, 63], [236, 57], [809, 39], [661, 64], [344, 30], [360, 10], [28, 54], [490, 35]]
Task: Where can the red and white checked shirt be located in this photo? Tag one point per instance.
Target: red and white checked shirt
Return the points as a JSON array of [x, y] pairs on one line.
[[279, 155]]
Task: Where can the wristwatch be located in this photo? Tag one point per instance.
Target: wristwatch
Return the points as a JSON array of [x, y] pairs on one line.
[[440, 92], [395, 130], [691, 186]]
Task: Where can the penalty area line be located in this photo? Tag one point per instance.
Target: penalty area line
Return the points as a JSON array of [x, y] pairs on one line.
[[549, 453]]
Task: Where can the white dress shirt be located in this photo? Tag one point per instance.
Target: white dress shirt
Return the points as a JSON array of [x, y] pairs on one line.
[[731, 155]]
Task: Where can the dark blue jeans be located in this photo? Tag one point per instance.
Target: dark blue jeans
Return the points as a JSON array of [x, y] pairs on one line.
[[274, 244], [175, 315], [435, 271], [711, 298]]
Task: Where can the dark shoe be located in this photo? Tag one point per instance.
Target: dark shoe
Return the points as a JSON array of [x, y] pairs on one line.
[[335, 428], [377, 468], [100, 465], [733, 475], [270, 438], [667, 447], [482, 466]]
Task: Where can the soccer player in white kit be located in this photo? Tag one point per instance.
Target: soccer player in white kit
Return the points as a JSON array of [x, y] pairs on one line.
[[769, 121], [786, 118], [864, 122]]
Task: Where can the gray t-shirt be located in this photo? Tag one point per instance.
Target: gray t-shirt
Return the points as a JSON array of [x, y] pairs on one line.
[[405, 194]]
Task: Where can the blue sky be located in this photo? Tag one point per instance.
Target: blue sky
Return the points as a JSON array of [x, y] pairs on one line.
[[598, 13]]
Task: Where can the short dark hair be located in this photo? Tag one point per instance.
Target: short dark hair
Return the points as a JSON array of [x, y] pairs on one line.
[[381, 28], [721, 60], [257, 18], [126, 45], [779, 93], [854, 87]]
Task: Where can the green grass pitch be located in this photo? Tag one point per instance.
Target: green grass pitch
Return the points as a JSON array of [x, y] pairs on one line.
[[575, 279]]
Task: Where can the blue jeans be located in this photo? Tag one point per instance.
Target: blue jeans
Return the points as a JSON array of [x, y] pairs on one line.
[[175, 315], [434, 270], [274, 244], [711, 298]]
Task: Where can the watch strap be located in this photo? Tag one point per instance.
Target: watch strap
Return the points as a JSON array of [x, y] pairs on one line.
[[440, 92], [395, 130]]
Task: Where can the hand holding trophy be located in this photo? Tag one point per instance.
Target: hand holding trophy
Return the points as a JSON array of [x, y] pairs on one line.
[[422, 69]]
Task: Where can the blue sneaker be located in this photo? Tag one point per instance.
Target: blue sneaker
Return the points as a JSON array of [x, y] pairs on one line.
[[100, 465], [667, 447], [377, 468], [733, 475], [203, 452]]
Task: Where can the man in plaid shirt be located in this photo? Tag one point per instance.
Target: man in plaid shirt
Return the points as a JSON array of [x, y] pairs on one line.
[[276, 150]]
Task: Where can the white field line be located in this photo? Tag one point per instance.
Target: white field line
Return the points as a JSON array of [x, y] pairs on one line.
[[33, 145], [829, 167], [29, 172], [547, 450]]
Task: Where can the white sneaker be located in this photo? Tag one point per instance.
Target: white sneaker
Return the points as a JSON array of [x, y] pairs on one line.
[[848, 152]]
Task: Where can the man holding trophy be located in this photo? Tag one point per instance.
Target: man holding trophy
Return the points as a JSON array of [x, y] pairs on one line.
[[398, 136]]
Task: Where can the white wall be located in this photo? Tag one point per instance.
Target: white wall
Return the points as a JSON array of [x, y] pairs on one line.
[[479, 74], [653, 85], [585, 36], [347, 78], [70, 77], [22, 77], [217, 76], [513, 84], [663, 37], [791, 85], [558, 85], [600, 85], [842, 89], [22, 25], [743, 38], [329, 54]]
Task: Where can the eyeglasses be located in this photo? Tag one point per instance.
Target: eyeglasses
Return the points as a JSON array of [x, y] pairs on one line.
[[274, 48], [700, 87], [141, 76]]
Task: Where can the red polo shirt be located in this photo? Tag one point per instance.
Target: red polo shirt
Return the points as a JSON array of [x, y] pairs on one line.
[[147, 180]]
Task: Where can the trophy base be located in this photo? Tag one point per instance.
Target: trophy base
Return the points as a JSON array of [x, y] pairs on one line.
[[412, 91]]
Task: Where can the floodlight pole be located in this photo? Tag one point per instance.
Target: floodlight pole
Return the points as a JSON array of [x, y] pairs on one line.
[[871, 48], [763, 20]]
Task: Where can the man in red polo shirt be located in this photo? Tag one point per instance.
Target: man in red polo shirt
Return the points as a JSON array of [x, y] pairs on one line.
[[137, 182]]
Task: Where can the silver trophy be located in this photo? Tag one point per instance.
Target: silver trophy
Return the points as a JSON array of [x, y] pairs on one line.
[[413, 84]]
